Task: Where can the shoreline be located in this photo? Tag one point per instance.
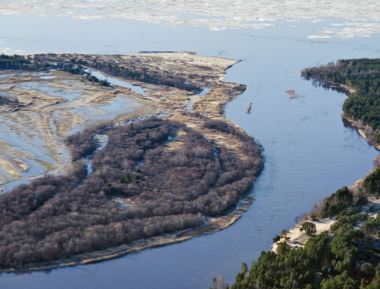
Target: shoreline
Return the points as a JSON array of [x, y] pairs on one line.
[[365, 131], [216, 225], [324, 224]]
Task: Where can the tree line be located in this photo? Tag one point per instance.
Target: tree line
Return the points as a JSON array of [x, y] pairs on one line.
[[361, 74], [346, 257]]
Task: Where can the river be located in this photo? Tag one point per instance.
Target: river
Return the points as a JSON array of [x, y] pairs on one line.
[[309, 152]]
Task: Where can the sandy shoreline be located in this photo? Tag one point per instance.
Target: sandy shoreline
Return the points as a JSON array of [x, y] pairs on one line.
[[294, 237]]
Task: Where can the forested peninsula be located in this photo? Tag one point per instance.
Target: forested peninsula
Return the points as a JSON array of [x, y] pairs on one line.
[[133, 182]]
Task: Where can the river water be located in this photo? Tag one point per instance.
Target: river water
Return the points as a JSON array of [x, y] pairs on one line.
[[309, 152]]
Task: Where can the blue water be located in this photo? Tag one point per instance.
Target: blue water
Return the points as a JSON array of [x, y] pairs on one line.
[[115, 81], [309, 152], [51, 91]]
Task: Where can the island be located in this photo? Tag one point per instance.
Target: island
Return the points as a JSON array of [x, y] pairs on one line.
[[133, 151], [337, 245]]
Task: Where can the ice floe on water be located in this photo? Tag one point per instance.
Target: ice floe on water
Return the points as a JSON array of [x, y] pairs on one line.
[[354, 17], [7, 50]]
